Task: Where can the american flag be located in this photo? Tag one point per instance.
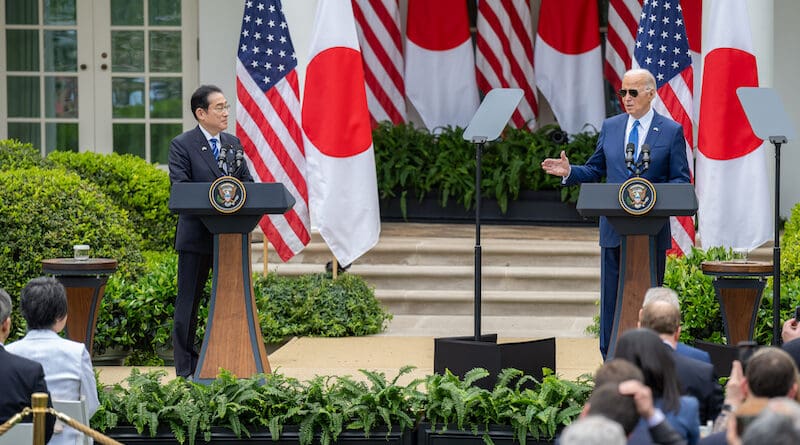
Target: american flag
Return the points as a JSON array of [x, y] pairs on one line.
[[663, 49], [378, 26], [623, 21], [268, 118], [505, 54]]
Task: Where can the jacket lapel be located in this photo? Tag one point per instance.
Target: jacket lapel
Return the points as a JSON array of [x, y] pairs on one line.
[[205, 151]]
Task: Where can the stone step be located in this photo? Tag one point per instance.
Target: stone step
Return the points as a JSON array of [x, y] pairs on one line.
[[456, 252], [494, 303], [384, 276], [506, 327]]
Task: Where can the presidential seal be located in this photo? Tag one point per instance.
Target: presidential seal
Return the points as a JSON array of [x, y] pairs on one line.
[[637, 196], [227, 194]]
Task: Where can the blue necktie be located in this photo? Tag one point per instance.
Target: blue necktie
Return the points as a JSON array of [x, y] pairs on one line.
[[633, 138], [214, 147]]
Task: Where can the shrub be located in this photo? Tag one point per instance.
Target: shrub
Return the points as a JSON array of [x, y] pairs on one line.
[[316, 305], [15, 154], [136, 186], [43, 213], [412, 162]]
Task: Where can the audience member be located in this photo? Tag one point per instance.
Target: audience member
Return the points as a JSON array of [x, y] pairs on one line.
[[778, 424], [644, 348], [771, 373], [667, 295], [696, 377], [67, 366], [653, 427], [593, 430], [791, 339], [21, 377]]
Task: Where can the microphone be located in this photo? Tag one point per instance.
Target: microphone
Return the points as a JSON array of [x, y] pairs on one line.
[[223, 156], [629, 155], [645, 157], [239, 160]]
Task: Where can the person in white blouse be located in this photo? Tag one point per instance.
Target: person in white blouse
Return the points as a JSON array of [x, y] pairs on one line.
[[67, 367]]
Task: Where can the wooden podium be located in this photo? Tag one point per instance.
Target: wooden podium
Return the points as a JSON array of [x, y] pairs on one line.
[[638, 248], [233, 338]]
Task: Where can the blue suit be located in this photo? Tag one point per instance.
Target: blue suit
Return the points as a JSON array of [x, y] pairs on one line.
[[668, 163], [192, 160], [692, 352]]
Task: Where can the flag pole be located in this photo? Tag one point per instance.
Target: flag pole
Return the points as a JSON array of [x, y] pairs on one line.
[[335, 267], [265, 244]]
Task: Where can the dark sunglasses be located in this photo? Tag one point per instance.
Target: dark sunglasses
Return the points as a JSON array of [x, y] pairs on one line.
[[632, 92]]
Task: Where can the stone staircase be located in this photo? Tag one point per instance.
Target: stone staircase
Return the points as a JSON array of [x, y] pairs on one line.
[[536, 281]]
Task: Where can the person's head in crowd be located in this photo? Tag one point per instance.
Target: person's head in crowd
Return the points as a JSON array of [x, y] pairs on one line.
[[645, 349], [593, 430], [617, 370], [771, 373], [778, 423], [607, 401], [5, 315], [663, 318], [43, 303], [663, 294]]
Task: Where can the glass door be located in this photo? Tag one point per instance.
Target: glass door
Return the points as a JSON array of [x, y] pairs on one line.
[[102, 75]]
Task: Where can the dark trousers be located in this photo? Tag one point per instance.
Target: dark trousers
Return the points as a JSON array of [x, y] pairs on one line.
[[193, 270], [609, 282]]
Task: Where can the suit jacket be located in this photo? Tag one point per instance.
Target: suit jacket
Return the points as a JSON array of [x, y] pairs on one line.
[[697, 379], [21, 378], [668, 163], [67, 370], [692, 352], [192, 160]]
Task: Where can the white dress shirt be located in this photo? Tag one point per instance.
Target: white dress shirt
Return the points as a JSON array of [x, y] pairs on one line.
[[67, 370]]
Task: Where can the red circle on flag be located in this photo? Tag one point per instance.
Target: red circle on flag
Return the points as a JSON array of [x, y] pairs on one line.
[[566, 33], [335, 113], [437, 25], [725, 132]]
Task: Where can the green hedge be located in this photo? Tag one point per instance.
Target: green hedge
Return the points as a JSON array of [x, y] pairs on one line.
[[137, 314], [136, 186], [411, 163], [43, 212], [15, 154]]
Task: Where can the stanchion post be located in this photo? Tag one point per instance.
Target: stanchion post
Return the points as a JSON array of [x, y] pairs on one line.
[[39, 406]]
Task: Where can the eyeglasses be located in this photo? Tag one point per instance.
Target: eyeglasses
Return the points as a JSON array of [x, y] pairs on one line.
[[222, 108], [632, 92]]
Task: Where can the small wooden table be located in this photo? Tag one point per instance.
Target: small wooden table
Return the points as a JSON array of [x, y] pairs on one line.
[[738, 285], [85, 282]]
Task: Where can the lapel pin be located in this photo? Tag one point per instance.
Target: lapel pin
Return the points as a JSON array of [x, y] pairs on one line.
[[203, 148], [655, 129]]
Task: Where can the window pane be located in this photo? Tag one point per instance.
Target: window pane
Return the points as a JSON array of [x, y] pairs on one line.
[[160, 137], [165, 12], [25, 132], [22, 49], [127, 51], [22, 12], [61, 136], [127, 12], [23, 96], [127, 97], [165, 51], [129, 138], [61, 51], [59, 12], [61, 96], [165, 97]]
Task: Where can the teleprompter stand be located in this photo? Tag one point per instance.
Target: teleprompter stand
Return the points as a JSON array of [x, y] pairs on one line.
[[461, 354], [233, 338], [769, 121]]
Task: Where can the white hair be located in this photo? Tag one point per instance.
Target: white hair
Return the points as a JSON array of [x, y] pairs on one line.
[[664, 294], [650, 79], [593, 430]]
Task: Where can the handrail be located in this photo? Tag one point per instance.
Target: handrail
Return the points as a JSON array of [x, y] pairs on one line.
[[39, 411]]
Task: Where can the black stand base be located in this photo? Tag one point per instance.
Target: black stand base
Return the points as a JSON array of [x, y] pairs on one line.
[[461, 354]]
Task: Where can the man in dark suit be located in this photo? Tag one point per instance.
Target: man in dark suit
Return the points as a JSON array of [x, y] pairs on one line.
[[667, 295], [696, 377], [193, 157], [21, 377], [639, 125]]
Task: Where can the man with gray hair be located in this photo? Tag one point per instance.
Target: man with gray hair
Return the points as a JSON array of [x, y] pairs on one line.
[[21, 377], [593, 430], [669, 296]]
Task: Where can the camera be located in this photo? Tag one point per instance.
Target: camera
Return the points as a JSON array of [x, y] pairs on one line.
[[797, 314], [746, 350]]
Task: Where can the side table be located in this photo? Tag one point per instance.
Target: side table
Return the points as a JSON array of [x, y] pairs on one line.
[[738, 285], [85, 282]]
